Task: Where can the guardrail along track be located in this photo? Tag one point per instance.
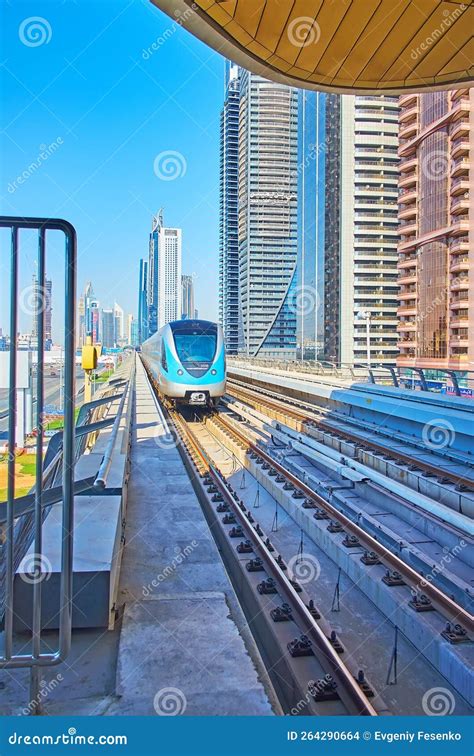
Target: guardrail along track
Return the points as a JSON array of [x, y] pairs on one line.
[[448, 608], [304, 418]]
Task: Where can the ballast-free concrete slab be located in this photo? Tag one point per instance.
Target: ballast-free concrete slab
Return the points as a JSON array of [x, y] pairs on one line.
[[184, 640]]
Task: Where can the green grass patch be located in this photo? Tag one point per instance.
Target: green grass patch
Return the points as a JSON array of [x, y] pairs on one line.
[[25, 470], [59, 423]]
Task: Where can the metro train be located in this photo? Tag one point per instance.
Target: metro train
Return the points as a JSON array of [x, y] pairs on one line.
[[187, 361]]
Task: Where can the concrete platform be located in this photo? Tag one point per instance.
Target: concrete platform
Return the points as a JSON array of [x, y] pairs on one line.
[[184, 642]]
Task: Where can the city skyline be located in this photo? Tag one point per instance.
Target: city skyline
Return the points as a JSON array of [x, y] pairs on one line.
[[89, 139], [271, 278]]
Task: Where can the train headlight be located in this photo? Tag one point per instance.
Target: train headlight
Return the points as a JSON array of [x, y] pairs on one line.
[[180, 372], [213, 372]]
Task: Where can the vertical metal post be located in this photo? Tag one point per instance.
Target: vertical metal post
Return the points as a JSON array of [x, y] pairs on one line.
[[38, 536], [68, 446], [367, 326], [11, 445]]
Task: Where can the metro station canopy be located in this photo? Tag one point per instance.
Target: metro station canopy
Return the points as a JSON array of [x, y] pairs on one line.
[[353, 46]]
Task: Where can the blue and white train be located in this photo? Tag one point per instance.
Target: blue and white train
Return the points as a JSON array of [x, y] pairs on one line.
[[187, 361]]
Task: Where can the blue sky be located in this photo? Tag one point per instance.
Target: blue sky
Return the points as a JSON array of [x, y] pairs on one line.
[[109, 108]]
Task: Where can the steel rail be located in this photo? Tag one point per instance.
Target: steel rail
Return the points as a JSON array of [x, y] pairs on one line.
[[449, 608], [305, 418], [348, 689]]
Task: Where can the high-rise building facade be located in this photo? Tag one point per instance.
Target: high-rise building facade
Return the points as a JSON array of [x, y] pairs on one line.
[[436, 213], [229, 313], [164, 275], [91, 314], [81, 322], [132, 331], [42, 297], [267, 215], [108, 329], [361, 229], [187, 296], [143, 302], [119, 326], [309, 293]]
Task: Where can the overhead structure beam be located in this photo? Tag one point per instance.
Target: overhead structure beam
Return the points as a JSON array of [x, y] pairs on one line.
[[341, 46]]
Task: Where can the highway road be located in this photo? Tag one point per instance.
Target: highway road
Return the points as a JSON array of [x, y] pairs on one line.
[[51, 393]]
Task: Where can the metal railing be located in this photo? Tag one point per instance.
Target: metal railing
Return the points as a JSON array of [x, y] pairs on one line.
[[457, 382], [37, 659]]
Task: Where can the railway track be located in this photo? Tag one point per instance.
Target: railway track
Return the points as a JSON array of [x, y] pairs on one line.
[[305, 417], [322, 682], [447, 607], [315, 679]]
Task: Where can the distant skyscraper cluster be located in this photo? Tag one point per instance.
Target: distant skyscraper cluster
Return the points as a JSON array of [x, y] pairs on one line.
[[344, 225], [164, 294], [106, 325]]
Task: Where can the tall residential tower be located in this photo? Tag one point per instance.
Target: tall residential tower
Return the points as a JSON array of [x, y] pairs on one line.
[[436, 212], [164, 275], [361, 229], [267, 215], [229, 316], [187, 296]]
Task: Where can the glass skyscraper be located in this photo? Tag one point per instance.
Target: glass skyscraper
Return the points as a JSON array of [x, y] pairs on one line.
[[143, 302], [309, 291]]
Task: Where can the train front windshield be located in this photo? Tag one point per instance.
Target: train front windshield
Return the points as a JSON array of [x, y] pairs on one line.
[[195, 346]]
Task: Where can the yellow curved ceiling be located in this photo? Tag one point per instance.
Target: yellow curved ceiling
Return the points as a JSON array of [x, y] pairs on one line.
[[352, 46]]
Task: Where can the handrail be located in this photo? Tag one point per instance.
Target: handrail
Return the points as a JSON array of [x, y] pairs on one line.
[[104, 469], [37, 658]]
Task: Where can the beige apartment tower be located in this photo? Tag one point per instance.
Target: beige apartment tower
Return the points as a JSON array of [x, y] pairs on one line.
[[436, 216]]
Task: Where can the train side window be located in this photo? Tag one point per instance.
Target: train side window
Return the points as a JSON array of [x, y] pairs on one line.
[[164, 361]]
